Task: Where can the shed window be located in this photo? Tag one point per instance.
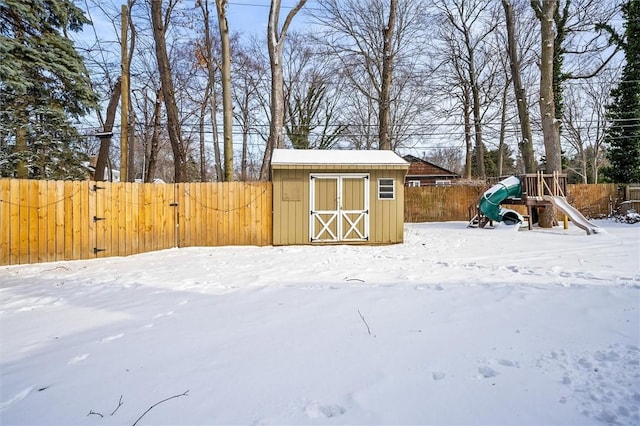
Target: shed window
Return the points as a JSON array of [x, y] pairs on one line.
[[386, 189], [414, 183]]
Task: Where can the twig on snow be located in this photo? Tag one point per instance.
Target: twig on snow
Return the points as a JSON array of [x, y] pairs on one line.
[[118, 407], [91, 412], [158, 403], [354, 279], [365, 322]]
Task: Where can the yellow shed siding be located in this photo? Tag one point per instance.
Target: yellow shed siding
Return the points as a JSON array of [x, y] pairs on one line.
[[291, 206]]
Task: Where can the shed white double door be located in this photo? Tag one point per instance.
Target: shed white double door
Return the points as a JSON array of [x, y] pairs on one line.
[[339, 207]]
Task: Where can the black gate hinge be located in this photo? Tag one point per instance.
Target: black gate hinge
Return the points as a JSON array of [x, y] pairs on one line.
[[96, 218], [96, 187], [96, 250]]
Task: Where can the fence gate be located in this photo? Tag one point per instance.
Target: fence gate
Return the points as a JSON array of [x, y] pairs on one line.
[[339, 207]]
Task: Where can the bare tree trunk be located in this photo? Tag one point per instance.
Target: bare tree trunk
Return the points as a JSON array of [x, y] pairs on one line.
[[550, 126], [526, 144], [131, 130], [477, 125], [275, 44], [152, 158], [387, 78], [203, 164], [131, 122], [583, 164], [245, 137], [173, 121], [503, 127], [227, 106], [466, 105], [107, 127], [124, 97], [211, 84]]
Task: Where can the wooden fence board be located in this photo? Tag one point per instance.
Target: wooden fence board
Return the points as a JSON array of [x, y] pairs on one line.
[[60, 200], [33, 207], [5, 220], [14, 243], [50, 196], [42, 224], [108, 214]]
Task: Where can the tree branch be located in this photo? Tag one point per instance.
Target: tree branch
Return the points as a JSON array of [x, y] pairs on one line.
[[158, 403], [365, 322], [118, 407]]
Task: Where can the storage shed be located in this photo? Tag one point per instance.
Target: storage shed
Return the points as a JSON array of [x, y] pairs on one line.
[[337, 196]]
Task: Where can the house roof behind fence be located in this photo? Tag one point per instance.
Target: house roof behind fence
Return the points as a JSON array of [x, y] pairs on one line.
[[285, 157]]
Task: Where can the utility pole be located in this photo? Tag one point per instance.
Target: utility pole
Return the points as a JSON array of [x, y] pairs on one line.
[[124, 107]]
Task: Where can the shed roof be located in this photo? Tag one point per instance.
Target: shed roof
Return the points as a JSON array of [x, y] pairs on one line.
[[314, 157]]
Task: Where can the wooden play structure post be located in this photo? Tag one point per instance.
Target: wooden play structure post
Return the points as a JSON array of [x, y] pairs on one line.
[[536, 188]]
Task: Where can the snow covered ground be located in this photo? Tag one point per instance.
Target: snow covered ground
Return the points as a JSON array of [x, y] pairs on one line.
[[455, 326]]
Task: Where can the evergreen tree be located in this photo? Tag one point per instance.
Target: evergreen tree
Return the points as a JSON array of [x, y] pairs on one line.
[[44, 85], [623, 135]]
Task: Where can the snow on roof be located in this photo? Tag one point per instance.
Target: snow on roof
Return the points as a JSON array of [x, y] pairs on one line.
[[315, 156]]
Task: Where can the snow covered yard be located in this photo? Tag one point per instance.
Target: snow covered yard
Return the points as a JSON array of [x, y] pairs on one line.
[[455, 326]]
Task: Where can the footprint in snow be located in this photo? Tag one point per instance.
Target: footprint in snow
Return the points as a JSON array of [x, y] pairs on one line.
[[111, 338], [77, 359], [438, 375], [486, 372], [316, 410], [507, 363]]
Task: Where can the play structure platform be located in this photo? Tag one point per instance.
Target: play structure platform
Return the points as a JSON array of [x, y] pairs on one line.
[[534, 191]]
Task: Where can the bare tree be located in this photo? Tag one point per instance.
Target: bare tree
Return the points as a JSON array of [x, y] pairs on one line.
[[448, 158], [585, 122], [107, 133], [550, 125], [276, 36], [379, 47], [544, 11], [249, 77], [466, 27], [526, 143], [207, 56], [387, 77], [312, 89], [225, 71], [581, 48], [160, 23]]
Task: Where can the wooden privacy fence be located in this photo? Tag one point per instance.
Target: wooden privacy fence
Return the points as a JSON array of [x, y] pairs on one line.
[[44, 221], [434, 204], [440, 203]]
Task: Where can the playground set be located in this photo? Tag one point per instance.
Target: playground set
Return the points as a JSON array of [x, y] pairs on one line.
[[535, 190]]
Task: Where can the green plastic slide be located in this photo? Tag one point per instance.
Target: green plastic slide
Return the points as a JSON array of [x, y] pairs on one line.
[[491, 199]]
